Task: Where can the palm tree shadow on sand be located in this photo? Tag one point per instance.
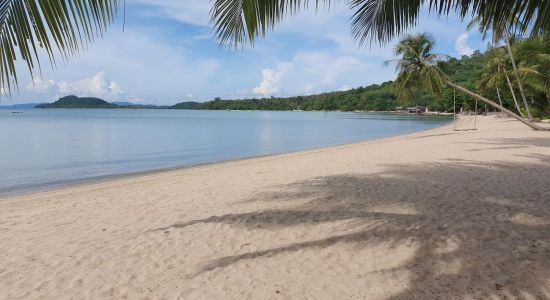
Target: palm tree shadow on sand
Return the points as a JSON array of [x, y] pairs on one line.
[[493, 218]]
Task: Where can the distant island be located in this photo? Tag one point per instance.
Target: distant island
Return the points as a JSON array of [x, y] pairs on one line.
[[92, 102], [76, 102]]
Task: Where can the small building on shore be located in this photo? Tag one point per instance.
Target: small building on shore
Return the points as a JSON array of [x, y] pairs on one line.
[[417, 109]]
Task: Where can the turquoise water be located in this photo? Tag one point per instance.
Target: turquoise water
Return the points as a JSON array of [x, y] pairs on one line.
[[44, 148]]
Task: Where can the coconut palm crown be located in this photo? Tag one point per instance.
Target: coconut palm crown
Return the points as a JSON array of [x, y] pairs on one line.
[[418, 68]]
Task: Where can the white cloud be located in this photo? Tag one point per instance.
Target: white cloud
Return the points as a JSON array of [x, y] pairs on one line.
[[41, 86], [96, 86], [461, 45], [326, 71], [141, 63], [318, 72], [114, 89], [271, 79], [134, 99], [344, 88]]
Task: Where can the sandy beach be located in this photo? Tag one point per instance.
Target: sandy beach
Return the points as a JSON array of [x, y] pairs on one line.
[[439, 214]]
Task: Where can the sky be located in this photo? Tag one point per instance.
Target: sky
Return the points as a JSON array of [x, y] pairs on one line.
[[167, 54]]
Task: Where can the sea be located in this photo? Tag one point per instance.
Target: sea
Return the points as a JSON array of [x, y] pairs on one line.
[[43, 149]]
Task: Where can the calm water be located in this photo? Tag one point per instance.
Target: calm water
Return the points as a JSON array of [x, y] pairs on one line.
[[45, 148]]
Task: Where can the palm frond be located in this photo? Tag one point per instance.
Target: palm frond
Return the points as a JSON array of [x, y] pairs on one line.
[[543, 57], [391, 62], [492, 72], [418, 69], [241, 21], [436, 58], [382, 20], [237, 22], [63, 26]]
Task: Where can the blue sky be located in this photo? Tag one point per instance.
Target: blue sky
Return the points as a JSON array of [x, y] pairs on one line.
[[167, 55]]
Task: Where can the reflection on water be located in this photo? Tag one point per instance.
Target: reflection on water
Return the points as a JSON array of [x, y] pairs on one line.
[[42, 147]]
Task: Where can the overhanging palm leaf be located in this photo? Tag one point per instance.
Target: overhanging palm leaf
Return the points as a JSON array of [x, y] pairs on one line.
[[383, 19], [239, 21], [65, 25]]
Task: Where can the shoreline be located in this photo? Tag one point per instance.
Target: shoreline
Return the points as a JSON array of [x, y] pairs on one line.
[[427, 114], [76, 183], [437, 214]]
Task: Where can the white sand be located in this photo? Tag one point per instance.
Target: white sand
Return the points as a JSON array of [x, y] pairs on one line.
[[438, 214]]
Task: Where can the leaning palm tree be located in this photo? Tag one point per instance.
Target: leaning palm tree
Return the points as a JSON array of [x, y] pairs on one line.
[[494, 70], [418, 70], [502, 32], [490, 80]]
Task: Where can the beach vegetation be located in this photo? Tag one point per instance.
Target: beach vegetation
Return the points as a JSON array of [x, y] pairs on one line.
[[421, 71], [503, 32]]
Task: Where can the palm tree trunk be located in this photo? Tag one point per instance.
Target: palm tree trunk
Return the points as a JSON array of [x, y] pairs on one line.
[[493, 104], [499, 99], [512, 90], [521, 91]]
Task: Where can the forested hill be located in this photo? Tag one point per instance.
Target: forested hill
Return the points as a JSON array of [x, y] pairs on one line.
[[76, 102], [376, 97], [91, 102], [373, 97]]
